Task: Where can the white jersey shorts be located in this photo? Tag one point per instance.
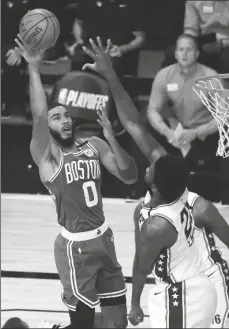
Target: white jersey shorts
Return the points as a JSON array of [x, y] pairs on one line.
[[219, 276], [188, 304]]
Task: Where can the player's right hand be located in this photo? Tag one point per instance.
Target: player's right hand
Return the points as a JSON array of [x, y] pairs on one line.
[[32, 56], [136, 315], [102, 61]]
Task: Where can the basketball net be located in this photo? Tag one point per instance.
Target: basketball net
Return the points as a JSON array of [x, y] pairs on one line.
[[215, 97]]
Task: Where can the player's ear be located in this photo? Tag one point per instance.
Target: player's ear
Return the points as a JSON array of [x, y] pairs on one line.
[[197, 54]]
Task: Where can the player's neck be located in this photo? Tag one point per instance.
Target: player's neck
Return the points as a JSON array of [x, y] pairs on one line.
[[69, 148], [66, 147], [156, 200]]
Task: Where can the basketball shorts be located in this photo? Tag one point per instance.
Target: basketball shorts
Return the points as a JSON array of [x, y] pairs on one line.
[[219, 276], [186, 304], [88, 269]]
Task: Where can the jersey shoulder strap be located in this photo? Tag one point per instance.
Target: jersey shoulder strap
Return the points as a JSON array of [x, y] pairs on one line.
[[171, 212], [86, 145], [192, 198]]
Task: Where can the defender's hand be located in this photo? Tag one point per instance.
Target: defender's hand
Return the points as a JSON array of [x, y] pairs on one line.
[[100, 55]]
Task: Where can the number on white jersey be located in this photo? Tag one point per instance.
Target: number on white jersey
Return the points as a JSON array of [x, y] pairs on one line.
[[90, 185], [187, 219]]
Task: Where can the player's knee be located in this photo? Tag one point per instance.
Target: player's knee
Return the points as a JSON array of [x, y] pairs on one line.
[[114, 312], [82, 317]]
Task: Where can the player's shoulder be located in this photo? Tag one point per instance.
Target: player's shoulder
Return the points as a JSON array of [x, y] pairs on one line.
[[98, 144], [201, 210], [89, 146], [192, 197], [201, 205], [95, 141], [159, 230], [157, 226]]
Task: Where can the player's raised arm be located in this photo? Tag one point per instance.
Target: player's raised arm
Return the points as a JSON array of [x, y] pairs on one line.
[[126, 109], [207, 215], [40, 144], [116, 160]]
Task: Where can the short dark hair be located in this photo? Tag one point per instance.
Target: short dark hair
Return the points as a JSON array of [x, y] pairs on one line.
[[52, 103], [171, 177], [191, 37]]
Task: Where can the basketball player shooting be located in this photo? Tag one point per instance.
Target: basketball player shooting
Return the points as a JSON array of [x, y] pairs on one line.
[[70, 169]]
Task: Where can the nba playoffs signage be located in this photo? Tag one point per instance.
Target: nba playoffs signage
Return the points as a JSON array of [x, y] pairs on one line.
[[81, 99], [82, 94]]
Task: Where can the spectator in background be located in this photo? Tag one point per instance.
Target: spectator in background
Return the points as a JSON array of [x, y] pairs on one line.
[[118, 20], [173, 85], [175, 23], [12, 65], [209, 20], [189, 127]]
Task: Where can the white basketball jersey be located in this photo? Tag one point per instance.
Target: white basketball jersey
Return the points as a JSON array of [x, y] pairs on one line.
[[182, 261], [210, 247]]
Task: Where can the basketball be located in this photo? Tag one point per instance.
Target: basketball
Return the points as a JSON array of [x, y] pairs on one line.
[[39, 29]]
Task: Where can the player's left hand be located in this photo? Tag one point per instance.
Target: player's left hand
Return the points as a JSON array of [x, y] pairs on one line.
[[186, 137], [13, 57], [136, 315], [100, 55], [105, 124]]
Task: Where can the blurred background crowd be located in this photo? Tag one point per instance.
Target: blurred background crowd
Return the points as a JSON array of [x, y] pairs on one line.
[[159, 48]]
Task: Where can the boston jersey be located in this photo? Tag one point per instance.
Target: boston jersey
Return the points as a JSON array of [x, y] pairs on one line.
[[182, 261], [210, 247], [75, 188]]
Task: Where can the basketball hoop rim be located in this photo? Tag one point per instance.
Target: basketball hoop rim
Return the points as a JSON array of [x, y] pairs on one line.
[[216, 76]]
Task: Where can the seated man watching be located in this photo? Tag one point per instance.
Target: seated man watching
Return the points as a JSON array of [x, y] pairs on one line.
[[173, 84], [209, 21], [192, 129]]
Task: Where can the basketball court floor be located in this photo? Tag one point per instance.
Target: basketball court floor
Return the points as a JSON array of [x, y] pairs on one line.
[[30, 288]]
